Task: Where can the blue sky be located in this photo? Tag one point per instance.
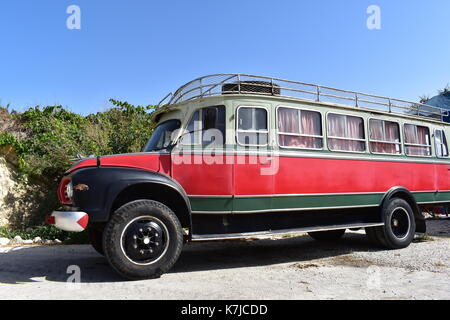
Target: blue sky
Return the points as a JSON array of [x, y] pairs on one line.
[[139, 50]]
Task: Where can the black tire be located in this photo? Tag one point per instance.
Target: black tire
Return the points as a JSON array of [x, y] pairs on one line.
[[128, 245], [372, 236], [329, 235], [399, 225], [96, 239]]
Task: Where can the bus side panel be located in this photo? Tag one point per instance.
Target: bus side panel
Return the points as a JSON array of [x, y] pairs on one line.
[[298, 175]]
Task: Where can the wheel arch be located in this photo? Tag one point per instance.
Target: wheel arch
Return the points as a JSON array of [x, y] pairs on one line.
[[405, 194], [167, 194], [108, 188]]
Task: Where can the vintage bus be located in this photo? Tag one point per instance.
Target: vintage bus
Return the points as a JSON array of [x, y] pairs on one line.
[[236, 156]]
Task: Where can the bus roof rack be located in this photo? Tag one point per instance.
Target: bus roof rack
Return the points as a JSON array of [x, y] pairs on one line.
[[236, 83]]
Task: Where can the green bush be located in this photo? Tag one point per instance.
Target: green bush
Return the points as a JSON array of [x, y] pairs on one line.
[[55, 134], [46, 138], [46, 233]]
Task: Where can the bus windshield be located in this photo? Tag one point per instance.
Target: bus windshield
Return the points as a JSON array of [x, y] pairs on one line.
[[162, 136]]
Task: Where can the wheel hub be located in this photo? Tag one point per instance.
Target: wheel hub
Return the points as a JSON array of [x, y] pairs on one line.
[[400, 223], [144, 240]]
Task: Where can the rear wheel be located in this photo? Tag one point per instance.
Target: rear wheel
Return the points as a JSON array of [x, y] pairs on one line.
[[372, 236], [327, 235], [143, 239], [399, 225]]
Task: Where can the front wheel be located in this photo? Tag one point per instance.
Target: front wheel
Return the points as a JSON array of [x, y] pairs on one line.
[[143, 239]]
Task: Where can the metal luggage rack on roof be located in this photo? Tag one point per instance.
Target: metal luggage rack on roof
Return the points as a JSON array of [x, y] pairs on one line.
[[234, 83]]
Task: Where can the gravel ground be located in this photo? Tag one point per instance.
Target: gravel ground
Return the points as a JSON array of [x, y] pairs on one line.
[[289, 268]]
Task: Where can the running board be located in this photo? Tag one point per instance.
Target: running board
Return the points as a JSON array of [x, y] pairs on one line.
[[271, 233]]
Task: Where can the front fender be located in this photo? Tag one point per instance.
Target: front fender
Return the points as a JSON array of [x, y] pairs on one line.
[[95, 188]]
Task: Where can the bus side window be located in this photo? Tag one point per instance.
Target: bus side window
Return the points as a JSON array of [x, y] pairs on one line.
[[346, 133], [252, 126], [384, 137], [301, 129], [417, 140], [441, 144]]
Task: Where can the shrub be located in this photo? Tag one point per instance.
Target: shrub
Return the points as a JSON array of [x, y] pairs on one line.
[[50, 136]]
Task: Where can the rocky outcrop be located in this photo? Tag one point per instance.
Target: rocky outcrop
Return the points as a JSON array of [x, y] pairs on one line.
[[7, 184], [19, 198]]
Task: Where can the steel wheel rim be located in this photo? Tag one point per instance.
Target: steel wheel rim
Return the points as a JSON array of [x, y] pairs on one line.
[[144, 240], [400, 223]]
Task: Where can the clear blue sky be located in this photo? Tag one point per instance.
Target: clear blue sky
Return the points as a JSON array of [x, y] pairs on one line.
[[140, 50]]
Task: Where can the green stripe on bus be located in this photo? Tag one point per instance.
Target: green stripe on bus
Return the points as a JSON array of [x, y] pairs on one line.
[[302, 202], [211, 204], [432, 196]]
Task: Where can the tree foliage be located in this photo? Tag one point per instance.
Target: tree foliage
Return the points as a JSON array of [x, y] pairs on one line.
[[425, 98], [50, 136], [54, 135]]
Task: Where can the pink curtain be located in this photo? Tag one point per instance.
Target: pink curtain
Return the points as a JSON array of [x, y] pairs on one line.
[[299, 122], [384, 131], [288, 122], [311, 125], [336, 128], [376, 133], [345, 127], [417, 135], [392, 132]]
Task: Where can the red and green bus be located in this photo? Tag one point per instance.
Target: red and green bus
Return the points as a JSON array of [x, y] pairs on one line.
[[236, 156]]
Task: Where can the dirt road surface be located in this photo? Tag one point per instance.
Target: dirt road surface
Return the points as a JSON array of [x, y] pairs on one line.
[[289, 268]]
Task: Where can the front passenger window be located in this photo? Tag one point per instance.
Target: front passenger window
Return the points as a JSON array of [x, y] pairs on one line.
[[207, 127]]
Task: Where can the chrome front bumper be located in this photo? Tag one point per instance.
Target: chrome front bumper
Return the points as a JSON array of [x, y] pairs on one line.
[[72, 221]]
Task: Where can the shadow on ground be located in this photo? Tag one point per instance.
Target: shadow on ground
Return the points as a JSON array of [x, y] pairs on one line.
[[29, 264], [438, 227]]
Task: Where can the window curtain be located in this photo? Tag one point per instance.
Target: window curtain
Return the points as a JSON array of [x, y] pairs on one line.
[[392, 134], [384, 131], [376, 133], [336, 128], [424, 138], [417, 135], [288, 122], [345, 128], [299, 122]]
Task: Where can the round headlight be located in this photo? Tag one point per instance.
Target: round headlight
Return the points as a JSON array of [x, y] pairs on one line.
[[69, 190]]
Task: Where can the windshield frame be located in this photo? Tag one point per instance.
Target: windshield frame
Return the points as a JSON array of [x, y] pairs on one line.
[[148, 147]]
